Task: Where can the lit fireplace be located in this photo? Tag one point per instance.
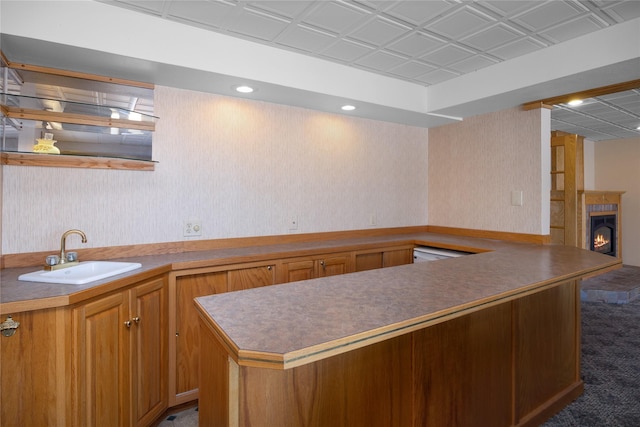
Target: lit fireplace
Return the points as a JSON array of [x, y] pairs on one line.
[[603, 233], [600, 221], [600, 242]]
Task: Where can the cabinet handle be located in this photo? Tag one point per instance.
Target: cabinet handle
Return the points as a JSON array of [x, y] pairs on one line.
[[127, 323], [136, 319], [269, 267], [322, 264]]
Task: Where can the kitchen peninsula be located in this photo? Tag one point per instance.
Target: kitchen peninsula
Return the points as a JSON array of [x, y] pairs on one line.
[[504, 323], [486, 339]]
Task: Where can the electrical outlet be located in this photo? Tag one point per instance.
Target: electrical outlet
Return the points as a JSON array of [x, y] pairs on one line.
[[192, 228], [293, 222], [373, 220]]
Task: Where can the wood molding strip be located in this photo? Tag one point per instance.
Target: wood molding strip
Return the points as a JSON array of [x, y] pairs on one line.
[[589, 93], [81, 119], [3, 59], [536, 105], [79, 75]]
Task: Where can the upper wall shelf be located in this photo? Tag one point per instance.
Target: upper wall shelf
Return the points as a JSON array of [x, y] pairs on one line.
[[66, 111], [64, 161], [90, 117]]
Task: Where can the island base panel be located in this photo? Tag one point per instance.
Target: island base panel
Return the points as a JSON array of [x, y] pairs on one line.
[[367, 387], [463, 372], [514, 363]]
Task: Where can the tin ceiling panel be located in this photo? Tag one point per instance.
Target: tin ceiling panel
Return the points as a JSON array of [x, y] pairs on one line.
[[424, 42]]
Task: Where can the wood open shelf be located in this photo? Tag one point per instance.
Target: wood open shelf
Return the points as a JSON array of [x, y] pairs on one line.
[[567, 178], [66, 161]]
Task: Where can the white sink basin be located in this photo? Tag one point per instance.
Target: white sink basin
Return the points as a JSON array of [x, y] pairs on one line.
[[84, 272]]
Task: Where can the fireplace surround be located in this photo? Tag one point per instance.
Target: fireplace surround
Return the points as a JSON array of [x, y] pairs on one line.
[[603, 233], [600, 221]]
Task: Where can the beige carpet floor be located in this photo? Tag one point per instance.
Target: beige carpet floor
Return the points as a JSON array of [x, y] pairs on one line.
[[186, 418]]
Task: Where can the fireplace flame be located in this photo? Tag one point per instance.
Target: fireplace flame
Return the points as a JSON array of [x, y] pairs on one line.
[[600, 241]]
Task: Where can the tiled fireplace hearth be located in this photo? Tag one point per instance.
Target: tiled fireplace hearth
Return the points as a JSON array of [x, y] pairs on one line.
[[600, 221]]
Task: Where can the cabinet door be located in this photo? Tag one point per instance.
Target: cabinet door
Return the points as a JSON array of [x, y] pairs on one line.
[[30, 370], [334, 265], [187, 333], [319, 266], [293, 271], [253, 277], [388, 257], [103, 346], [397, 257], [150, 356], [368, 261]]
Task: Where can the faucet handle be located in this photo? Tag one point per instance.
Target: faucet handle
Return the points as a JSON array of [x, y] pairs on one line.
[[52, 260], [72, 256]]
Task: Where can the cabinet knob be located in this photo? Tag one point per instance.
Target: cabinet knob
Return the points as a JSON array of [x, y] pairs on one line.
[[136, 319], [269, 267], [127, 323], [322, 264]]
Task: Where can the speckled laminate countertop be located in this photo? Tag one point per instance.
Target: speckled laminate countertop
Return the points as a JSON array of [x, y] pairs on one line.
[[17, 295], [291, 324]]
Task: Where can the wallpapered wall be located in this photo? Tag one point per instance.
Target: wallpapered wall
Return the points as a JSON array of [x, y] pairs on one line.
[[243, 168], [617, 168], [474, 166]]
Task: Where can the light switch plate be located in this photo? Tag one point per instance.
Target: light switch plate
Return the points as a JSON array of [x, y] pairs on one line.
[[516, 198]]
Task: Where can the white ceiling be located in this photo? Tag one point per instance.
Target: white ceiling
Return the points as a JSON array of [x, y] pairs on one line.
[[614, 116], [424, 42]]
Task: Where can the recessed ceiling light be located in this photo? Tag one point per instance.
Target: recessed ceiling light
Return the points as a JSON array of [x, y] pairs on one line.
[[575, 102], [348, 107], [244, 89]]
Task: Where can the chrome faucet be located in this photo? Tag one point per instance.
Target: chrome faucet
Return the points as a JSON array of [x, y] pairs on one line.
[[63, 255]]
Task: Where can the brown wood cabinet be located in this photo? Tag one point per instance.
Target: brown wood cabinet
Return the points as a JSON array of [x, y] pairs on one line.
[[380, 258], [92, 363], [304, 268], [150, 350], [121, 356], [184, 352], [251, 277], [567, 178], [185, 285], [34, 369]]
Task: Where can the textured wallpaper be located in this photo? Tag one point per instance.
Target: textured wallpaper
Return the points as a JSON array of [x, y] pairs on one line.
[[475, 165], [242, 168]]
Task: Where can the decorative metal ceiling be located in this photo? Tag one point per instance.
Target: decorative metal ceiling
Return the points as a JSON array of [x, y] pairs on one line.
[[425, 42]]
